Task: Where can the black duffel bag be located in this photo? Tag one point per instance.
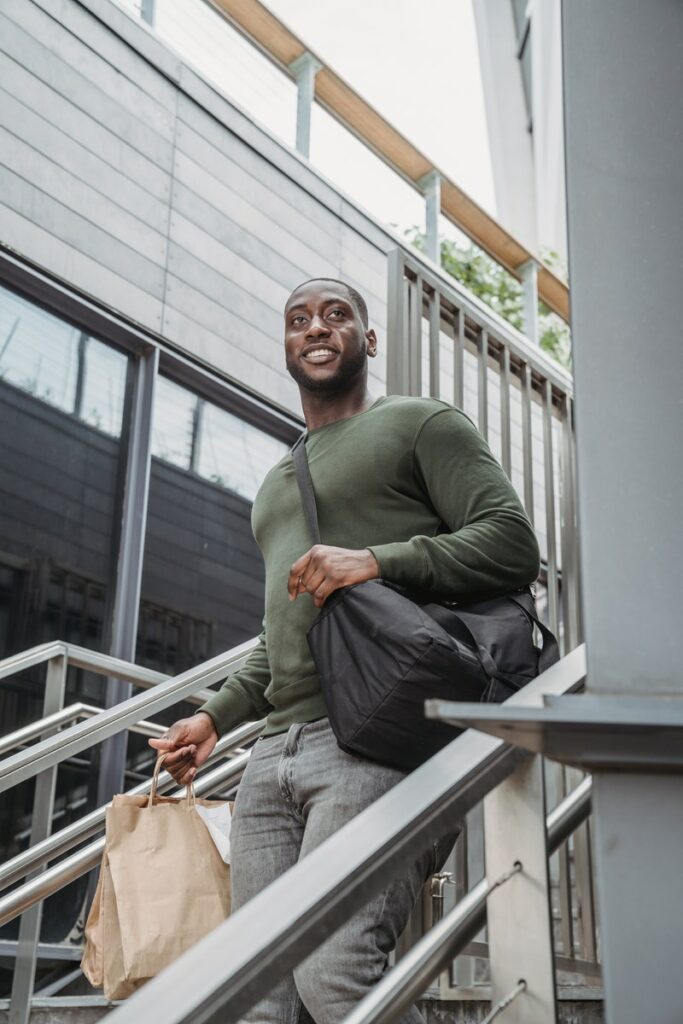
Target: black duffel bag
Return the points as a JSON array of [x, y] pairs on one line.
[[381, 653]]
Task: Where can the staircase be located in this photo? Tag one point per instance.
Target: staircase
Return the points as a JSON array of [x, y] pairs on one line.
[[442, 960]]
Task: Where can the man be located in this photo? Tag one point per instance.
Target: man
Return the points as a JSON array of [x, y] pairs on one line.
[[407, 490]]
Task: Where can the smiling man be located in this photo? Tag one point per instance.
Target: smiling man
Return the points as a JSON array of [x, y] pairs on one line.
[[407, 490]]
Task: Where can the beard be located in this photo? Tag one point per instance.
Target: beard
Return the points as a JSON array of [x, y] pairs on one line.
[[340, 381]]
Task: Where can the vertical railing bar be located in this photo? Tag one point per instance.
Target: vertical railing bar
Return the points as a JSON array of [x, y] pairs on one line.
[[483, 382], [565, 880], [459, 360], [462, 967], [396, 324], [23, 980], [505, 424], [435, 344], [527, 443], [583, 876], [577, 535], [568, 539], [549, 481], [415, 337]]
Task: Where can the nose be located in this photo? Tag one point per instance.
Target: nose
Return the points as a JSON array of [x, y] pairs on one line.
[[317, 328]]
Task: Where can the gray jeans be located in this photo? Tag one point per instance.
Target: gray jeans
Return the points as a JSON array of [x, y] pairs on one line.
[[298, 789]]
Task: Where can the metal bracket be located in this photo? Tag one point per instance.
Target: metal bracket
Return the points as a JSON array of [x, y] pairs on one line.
[[595, 733]]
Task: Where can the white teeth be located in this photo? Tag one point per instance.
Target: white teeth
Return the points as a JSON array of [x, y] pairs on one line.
[[319, 352]]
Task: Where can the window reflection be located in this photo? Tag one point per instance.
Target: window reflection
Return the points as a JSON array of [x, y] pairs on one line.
[[59, 364], [211, 442]]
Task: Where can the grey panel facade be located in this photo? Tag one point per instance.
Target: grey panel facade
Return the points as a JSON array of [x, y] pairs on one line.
[[130, 177]]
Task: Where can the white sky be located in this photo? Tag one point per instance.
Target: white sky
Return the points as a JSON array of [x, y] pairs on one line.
[[417, 62]]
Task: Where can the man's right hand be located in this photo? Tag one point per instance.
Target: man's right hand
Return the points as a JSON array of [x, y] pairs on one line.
[[188, 744]]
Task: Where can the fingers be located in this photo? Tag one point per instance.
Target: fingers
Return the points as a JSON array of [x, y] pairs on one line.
[[295, 574], [161, 744]]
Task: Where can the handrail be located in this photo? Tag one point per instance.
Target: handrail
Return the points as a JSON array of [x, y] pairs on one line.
[[79, 863], [401, 986], [90, 824], [91, 661], [497, 326], [283, 47], [29, 732], [319, 893], [51, 751]]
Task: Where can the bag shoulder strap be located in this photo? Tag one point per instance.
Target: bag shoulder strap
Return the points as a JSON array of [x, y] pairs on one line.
[[305, 485], [550, 651]]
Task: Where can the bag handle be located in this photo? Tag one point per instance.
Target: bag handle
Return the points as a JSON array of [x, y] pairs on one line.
[[189, 790], [550, 651], [305, 485]]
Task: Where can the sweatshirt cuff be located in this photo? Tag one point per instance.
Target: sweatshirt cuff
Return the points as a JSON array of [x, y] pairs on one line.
[[229, 708], [402, 562]]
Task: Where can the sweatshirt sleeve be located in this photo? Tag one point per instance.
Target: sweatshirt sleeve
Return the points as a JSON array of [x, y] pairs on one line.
[[241, 698], [489, 546]]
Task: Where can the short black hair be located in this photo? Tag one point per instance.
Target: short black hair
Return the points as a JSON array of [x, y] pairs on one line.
[[355, 296]]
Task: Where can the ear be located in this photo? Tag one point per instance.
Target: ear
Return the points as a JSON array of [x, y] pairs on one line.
[[371, 339]]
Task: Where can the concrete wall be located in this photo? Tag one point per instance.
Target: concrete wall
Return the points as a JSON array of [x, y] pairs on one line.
[[127, 175]]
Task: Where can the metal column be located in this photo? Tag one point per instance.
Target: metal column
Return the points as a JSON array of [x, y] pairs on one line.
[[529, 274], [304, 69], [623, 82], [431, 186], [129, 567]]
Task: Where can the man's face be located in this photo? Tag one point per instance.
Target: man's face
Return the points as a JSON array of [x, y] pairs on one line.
[[326, 342]]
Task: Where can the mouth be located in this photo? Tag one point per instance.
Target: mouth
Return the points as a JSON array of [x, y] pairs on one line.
[[319, 355]]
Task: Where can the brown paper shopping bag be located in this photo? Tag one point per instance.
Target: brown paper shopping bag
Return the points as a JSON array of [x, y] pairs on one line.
[[163, 885]]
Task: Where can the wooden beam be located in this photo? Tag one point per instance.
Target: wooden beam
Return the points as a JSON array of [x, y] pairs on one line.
[[269, 34]]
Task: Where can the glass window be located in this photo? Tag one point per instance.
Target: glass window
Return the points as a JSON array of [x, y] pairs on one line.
[[173, 423], [234, 454], [61, 409], [202, 581]]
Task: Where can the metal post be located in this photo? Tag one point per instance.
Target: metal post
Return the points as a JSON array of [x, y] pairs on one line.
[[459, 360], [415, 294], [623, 79], [435, 344], [147, 11], [528, 273], [519, 922], [304, 69], [527, 443], [397, 359], [431, 187], [483, 382], [129, 567], [23, 980]]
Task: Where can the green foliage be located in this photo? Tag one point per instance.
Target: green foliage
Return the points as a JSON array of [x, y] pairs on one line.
[[501, 291]]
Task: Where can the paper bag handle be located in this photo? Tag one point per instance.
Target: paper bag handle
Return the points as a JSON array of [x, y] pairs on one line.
[[190, 797]]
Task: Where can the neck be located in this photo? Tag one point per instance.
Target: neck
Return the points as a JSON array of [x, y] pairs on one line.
[[321, 409]]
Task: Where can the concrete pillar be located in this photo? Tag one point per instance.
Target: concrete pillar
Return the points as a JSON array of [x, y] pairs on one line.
[[623, 82]]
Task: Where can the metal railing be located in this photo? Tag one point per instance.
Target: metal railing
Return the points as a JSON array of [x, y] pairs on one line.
[[56, 746], [232, 967], [487, 763], [445, 343]]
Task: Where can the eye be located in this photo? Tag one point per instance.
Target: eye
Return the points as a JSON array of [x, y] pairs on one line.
[[337, 312], [298, 319]]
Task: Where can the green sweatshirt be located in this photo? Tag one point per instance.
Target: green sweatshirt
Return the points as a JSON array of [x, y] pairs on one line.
[[412, 480]]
